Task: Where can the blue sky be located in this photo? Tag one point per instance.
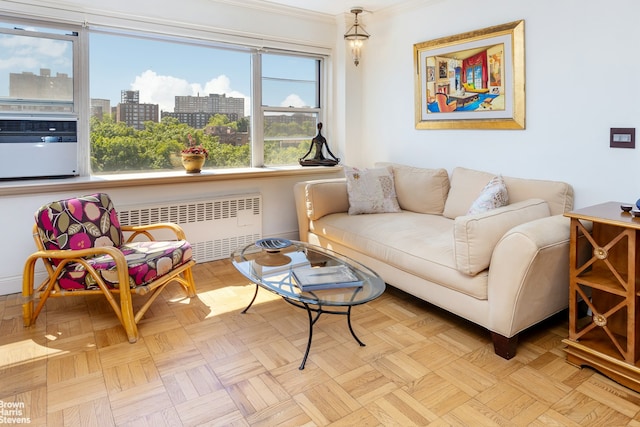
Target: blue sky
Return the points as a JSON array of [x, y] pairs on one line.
[[160, 70]]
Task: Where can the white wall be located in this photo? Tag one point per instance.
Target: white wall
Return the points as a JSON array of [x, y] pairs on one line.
[[581, 65]]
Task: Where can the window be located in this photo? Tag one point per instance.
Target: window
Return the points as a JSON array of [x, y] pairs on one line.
[[136, 97], [290, 106], [148, 94], [37, 73]]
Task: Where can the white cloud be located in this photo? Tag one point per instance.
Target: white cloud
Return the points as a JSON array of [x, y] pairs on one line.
[[161, 90], [32, 53], [293, 100]]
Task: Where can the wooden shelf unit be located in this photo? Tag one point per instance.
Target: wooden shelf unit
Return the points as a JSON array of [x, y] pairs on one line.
[[605, 254]]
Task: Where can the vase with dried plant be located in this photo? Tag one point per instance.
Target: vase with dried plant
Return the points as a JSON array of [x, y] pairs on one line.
[[194, 156]]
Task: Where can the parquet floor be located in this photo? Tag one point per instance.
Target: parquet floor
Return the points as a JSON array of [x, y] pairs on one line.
[[201, 362]]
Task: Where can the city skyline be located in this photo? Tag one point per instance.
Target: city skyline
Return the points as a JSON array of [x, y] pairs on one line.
[[160, 69]]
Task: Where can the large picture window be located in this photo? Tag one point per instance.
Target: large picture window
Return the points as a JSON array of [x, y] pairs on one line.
[[149, 94], [139, 98]]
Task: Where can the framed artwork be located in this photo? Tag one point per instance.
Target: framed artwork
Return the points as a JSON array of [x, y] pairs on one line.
[[474, 80]]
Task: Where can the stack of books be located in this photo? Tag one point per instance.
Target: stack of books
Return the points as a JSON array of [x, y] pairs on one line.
[[330, 277]]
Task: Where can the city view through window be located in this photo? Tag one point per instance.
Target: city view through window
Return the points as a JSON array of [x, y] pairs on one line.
[[149, 96]]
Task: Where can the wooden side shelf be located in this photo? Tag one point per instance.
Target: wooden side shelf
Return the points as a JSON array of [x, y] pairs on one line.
[[603, 275]]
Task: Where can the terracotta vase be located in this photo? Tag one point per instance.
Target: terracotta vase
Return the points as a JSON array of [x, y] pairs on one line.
[[193, 162]]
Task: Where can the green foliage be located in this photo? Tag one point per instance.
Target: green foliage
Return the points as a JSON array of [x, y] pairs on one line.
[[306, 128], [115, 147], [276, 153]]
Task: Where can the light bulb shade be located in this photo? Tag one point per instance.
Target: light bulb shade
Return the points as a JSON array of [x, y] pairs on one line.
[[356, 50], [356, 35]]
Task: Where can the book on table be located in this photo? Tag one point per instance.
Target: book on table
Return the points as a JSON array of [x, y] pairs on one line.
[[329, 277]]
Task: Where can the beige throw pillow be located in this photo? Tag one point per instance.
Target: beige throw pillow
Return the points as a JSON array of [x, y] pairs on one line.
[[371, 190], [420, 190], [475, 236], [493, 195]]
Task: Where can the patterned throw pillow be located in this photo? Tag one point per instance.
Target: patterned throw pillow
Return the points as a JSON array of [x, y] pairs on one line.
[[492, 196], [371, 190]]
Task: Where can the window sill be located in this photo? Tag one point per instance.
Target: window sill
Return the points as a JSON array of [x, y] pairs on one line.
[[96, 182]]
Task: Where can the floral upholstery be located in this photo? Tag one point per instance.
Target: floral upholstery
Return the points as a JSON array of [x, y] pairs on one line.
[[92, 221]]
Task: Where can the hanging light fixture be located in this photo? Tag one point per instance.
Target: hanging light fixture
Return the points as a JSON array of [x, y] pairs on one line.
[[356, 35]]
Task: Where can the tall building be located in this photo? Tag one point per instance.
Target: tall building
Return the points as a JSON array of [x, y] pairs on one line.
[[197, 120], [52, 93], [214, 103], [44, 86], [134, 114], [100, 107]]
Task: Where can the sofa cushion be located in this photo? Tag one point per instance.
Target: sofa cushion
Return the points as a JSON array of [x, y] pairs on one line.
[[475, 236], [466, 184], [420, 190], [371, 191], [493, 195], [413, 242]]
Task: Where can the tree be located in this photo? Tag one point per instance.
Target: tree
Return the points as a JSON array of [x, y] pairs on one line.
[[116, 147]]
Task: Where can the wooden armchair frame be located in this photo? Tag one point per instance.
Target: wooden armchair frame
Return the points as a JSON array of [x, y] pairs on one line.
[[124, 309]]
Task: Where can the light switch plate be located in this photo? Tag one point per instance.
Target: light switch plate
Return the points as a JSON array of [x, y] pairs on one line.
[[622, 138]]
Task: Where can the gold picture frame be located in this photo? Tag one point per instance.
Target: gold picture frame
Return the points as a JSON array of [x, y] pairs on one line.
[[474, 80]]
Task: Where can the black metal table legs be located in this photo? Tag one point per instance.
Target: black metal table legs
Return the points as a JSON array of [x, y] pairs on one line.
[[312, 320], [319, 310]]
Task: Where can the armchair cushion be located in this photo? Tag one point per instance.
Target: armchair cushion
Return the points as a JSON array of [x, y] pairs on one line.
[[147, 261], [79, 223]]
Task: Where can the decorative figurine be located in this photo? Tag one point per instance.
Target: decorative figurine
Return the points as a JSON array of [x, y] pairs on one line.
[[318, 159]]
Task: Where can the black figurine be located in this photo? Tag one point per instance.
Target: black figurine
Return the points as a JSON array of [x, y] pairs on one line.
[[318, 159]]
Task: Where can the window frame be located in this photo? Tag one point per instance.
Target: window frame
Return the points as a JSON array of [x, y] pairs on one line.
[[261, 110], [258, 111], [214, 40]]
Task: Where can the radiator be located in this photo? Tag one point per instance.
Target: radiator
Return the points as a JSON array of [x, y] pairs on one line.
[[214, 227]]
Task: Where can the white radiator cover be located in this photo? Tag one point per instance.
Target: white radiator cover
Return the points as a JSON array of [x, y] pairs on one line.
[[214, 227]]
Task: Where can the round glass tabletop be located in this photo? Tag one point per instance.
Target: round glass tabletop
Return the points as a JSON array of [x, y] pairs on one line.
[[278, 269]]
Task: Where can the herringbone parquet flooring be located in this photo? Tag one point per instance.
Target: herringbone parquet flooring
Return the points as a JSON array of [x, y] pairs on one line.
[[201, 362]]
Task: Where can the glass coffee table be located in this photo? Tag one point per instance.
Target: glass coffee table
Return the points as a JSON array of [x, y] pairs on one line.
[[269, 263]]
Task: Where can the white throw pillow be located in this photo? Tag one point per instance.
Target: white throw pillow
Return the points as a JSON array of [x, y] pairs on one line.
[[371, 190], [493, 195]]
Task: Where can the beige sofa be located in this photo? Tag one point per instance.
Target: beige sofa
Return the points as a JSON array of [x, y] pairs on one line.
[[505, 269]]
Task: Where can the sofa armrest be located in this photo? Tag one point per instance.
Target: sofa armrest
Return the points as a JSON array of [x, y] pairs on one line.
[[529, 275], [317, 198]]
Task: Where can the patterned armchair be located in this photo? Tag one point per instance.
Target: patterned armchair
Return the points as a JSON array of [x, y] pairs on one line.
[[84, 250]]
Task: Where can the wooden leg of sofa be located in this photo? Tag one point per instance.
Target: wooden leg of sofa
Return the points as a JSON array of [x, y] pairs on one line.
[[503, 346]]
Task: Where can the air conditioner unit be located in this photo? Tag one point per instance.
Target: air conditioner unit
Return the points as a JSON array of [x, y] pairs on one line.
[[37, 147]]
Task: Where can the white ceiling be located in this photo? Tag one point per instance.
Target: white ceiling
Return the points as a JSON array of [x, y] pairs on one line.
[[336, 7]]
